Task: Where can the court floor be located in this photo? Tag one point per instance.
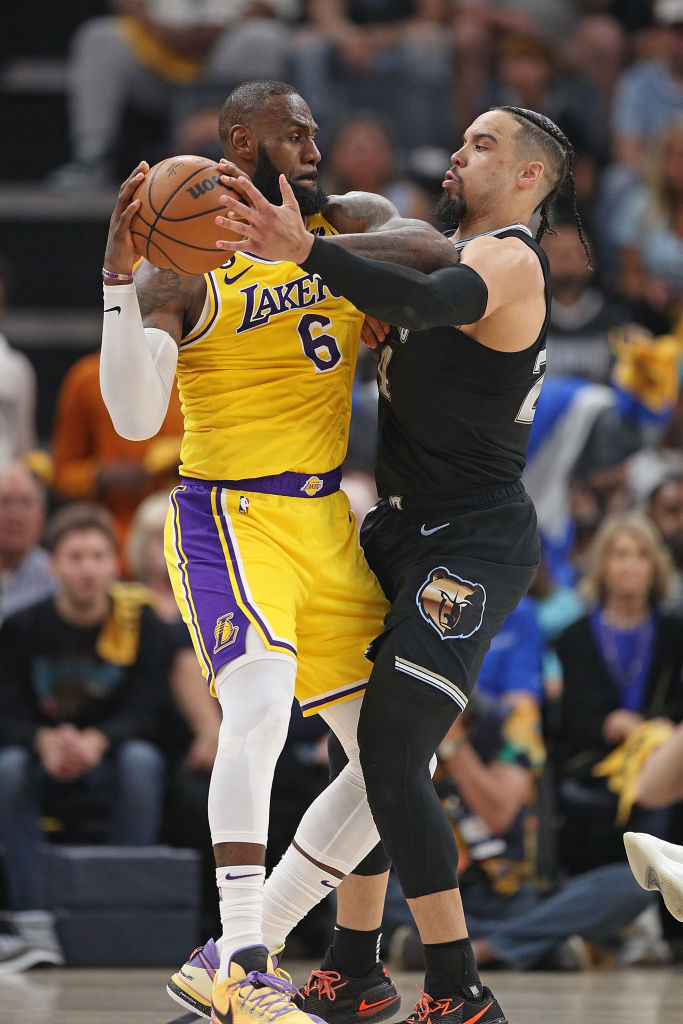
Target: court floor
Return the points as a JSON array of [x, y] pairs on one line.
[[635, 996]]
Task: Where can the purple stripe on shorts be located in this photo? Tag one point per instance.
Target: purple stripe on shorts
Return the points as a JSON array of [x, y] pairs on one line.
[[214, 609], [182, 567], [315, 702], [291, 485]]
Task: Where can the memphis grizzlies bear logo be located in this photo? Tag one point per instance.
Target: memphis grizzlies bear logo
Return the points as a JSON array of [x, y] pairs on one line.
[[454, 607]]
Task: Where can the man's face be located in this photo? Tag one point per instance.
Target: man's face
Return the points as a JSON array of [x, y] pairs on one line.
[[569, 270], [483, 170], [22, 512], [286, 146], [666, 512], [84, 563]]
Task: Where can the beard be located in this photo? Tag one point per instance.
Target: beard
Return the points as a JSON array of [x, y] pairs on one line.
[[450, 211], [265, 178]]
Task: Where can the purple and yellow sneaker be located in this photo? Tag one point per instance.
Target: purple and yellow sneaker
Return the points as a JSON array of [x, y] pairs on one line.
[[253, 993], [192, 985]]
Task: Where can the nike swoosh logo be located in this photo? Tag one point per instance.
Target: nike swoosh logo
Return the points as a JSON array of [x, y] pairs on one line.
[[113, 309], [222, 1018], [425, 532], [372, 1006], [231, 280], [328, 884], [472, 1020], [232, 878]]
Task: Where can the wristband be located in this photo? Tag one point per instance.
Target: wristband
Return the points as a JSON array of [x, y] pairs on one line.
[[109, 275]]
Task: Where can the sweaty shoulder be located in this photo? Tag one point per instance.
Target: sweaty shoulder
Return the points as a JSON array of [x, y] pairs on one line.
[[510, 250], [510, 268], [168, 300], [359, 211]]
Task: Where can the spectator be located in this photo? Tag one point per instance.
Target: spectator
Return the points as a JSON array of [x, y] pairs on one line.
[[649, 94], [24, 572], [17, 389], [513, 667], [622, 666], [163, 56], [92, 462], [362, 157], [581, 316], [647, 99], [82, 676], [394, 56], [665, 509], [489, 763], [651, 258], [653, 462], [528, 74]]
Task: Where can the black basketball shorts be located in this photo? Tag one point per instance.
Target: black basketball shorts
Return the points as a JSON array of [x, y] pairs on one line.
[[452, 571]]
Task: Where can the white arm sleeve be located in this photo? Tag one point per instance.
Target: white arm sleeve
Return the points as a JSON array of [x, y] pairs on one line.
[[137, 366]]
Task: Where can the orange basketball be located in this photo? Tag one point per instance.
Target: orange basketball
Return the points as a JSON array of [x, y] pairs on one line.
[[175, 225]]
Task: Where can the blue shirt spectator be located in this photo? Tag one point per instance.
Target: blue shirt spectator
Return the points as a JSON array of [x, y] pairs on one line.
[[514, 662]]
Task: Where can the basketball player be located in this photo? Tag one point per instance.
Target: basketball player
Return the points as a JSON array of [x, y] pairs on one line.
[[261, 545], [453, 539]]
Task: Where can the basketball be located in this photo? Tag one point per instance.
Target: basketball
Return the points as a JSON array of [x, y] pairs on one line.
[[175, 225]]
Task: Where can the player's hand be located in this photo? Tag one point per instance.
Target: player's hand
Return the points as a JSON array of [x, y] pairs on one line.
[[230, 172], [272, 232], [373, 332], [120, 254]]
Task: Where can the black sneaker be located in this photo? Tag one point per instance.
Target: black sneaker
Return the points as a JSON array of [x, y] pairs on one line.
[[458, 1010], [340, 999]]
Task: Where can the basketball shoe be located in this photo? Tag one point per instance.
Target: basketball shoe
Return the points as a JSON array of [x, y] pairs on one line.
[[253, 994], [458, 1010], [657, 864], [371, 999], [340, 999]]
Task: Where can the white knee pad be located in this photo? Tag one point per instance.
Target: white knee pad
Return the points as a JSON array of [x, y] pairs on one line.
[[256, 700], [337, 829]]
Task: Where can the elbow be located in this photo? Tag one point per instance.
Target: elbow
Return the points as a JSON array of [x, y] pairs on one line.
[[135, 425]]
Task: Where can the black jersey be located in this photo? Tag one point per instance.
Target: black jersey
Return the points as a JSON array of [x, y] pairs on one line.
[[454, 415]]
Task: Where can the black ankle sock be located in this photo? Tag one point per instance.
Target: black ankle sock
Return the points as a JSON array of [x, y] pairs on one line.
[[450, 967], [355, 953]]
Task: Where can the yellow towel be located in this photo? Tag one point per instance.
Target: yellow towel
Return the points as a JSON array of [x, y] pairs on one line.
[[624, 764]]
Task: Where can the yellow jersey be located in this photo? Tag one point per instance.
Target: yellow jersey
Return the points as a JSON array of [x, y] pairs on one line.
[[265, 379]]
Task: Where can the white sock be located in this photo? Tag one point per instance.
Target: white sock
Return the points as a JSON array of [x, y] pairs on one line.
[[293, 887], [240, 891]]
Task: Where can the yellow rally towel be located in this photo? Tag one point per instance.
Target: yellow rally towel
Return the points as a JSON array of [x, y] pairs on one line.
[[156, 56], [624, 764], [647, 368], [119, 637]]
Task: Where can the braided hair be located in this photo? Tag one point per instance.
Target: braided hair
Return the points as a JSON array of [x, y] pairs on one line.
[[540, 131]]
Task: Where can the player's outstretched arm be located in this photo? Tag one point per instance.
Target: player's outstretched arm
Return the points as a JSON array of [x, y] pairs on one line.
[[396, 294], [368, 224], [372, 226]]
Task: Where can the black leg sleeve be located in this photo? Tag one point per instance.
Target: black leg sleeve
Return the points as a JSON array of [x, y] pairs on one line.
[[402, 722]]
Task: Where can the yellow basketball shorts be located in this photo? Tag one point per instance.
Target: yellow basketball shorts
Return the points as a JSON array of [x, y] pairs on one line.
[[291, 568]]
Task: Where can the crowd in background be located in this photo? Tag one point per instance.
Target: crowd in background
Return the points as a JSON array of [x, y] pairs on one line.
[[107, 729]]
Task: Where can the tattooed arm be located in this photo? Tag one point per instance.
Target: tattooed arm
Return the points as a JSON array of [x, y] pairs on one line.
[[371, 226], [168, 301]]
